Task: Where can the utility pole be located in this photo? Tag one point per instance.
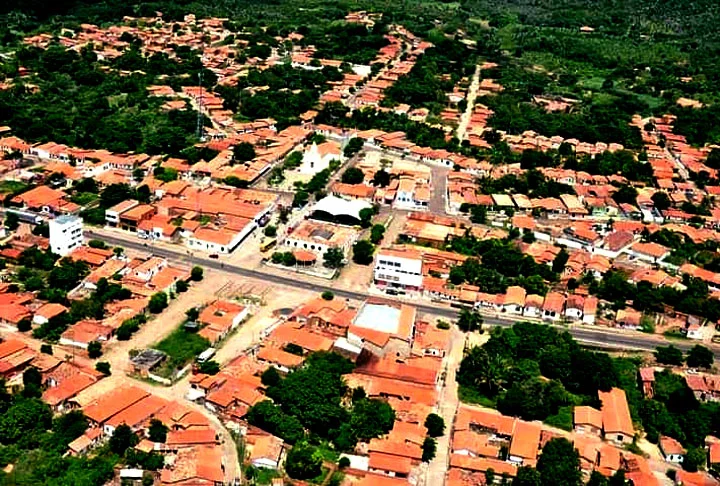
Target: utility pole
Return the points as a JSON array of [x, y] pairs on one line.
[[200, 107]]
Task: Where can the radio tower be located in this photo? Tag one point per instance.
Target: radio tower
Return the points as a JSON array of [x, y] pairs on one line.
[[200, 108]]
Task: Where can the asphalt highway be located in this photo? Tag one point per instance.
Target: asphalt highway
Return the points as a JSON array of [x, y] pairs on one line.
[[590, 336]]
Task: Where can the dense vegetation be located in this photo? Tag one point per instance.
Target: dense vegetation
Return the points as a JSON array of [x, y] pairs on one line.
[[537, 373], [496, 264], [35, 442], [695, 299], [309, 403], [79, 104]]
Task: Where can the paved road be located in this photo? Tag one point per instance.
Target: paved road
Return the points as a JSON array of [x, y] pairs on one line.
[[438, 194], [592, 336]]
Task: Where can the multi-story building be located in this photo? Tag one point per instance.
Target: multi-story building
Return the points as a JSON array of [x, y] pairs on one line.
[[66, 234], [399, 269]]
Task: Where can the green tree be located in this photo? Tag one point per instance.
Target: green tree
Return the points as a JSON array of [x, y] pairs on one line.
[[270, 231], [469, 320], [157, 431], [94, 349], [303, 462], [560, 260], [12, 221], [181, 286], [333, 258], [429, 448], [366, 216], [209, 367], [243, 152], [626, 195], [24, 325], [376, 233], [559, 463], [700, 357], [103, 367], [381, 178], [300, 198], [24, 421], [353, 146], [527, 476], [123, 438], [269, 417], [196, 274], [371, 418], [435, 425], [694, 459], [192, 314], [353, 175], [489, 476], [32, 382], [363, 252], [327, 295], [596, 479], [661, 201], [669, 355], [158, 302], [270, 377]]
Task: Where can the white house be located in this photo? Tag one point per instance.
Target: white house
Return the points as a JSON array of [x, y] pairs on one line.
[[220, 240], [267, 452], [672, 450], [318, 157], [574, 307], [66, 234], [533, 305], [589, 310], [399, 269]]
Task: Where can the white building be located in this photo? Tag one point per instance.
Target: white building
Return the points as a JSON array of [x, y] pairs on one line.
[[66, 234], [318, 157], [398, 268]]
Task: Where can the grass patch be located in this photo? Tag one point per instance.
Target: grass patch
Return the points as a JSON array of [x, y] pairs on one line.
[[563, 419], [674, 334], [181, 347], [265, 476], [11, 187], [468, 395], [84, 198]]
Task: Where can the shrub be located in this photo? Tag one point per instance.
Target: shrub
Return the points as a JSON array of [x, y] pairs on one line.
[[103, 367], [158, 302], [435, 425], [94, 350], [196, 274]]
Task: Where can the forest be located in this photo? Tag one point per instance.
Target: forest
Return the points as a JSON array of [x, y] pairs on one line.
[[78, 104]]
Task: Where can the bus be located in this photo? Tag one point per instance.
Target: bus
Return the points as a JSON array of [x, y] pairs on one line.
[[267, 243]]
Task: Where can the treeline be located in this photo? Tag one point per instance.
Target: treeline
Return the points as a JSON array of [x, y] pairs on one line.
[[496, 264], [595, 123], [694, 300], [353, 43]]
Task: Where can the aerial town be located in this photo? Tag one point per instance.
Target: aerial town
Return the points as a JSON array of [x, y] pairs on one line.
[[362, 249]]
